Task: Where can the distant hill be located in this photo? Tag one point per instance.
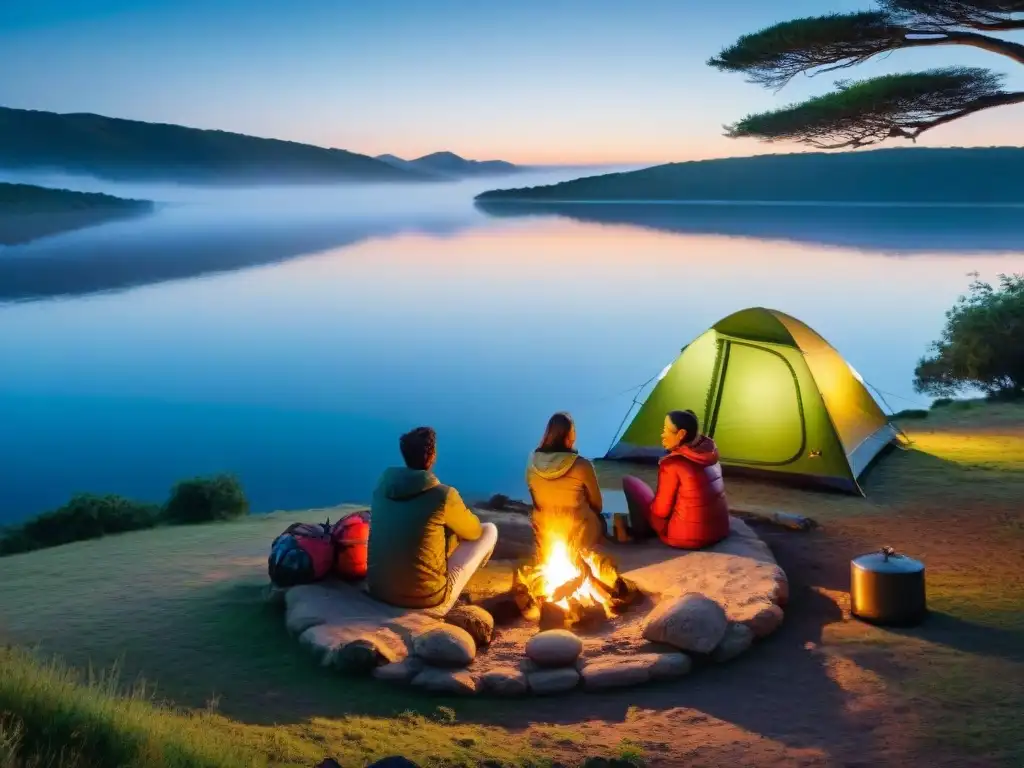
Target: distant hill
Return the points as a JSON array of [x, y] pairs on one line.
[[905, 175], [130, 150], [451, 165], [28, 212]]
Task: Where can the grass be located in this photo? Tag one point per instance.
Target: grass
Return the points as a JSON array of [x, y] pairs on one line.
[[184, 608]]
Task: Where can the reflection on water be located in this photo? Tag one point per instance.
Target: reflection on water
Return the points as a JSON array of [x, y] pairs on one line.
[[299, 374], [894, 229]]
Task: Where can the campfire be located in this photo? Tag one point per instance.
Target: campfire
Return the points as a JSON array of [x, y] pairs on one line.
[[569, 585]]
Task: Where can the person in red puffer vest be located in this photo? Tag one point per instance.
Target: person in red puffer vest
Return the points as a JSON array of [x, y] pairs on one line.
[[689, 510]]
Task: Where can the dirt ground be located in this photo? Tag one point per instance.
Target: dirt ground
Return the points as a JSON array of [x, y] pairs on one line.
[[826, 690]]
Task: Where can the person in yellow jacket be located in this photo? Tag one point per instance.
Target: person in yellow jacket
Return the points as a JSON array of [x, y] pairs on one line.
[[563, 485]]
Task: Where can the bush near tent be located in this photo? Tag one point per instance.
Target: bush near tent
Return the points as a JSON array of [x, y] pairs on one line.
[[776, 398]]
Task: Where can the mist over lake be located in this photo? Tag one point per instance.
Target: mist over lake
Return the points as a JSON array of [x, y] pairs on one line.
[[290, 334]]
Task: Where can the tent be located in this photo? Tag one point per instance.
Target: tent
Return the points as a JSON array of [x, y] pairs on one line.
[[775, 396]]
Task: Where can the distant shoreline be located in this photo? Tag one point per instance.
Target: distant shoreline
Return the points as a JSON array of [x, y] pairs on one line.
[[29, 212], [765, 203]]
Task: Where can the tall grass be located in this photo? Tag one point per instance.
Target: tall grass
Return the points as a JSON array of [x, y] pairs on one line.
[[51, 717]]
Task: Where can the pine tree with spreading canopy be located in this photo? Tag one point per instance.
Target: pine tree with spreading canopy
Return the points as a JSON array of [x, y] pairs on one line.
[[863, 112]]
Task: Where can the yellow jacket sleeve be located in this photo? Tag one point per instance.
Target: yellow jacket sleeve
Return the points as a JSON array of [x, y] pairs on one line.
[[460, 519]]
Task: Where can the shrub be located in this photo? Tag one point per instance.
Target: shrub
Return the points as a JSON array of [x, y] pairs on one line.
[[203, 499], [85, 516], [911, 413], [982, 345], [942, 402]]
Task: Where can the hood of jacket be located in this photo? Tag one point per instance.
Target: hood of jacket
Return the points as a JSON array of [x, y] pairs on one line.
[[703, 452], [400, 483], [550, 466]]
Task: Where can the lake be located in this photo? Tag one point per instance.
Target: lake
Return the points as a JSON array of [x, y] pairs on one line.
[[290, 336]]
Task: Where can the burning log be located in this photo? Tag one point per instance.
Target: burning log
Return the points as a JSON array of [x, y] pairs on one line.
[[569, 585], [552, 616]]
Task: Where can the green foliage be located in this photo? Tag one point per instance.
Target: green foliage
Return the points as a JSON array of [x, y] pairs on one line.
[[942, 402], [88, 516], [56, 719], [774, 55], [85, 516], [203, 499], [871, 111], [943, 14], [868, 111], [911, 413], [982, 345]]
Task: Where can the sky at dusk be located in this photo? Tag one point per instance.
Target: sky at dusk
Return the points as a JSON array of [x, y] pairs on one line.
[[530, 81]]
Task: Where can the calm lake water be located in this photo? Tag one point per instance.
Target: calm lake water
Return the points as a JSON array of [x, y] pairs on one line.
[[290, 336]]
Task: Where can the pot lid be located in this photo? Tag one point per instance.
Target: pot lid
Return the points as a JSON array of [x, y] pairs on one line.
[[887, 560]]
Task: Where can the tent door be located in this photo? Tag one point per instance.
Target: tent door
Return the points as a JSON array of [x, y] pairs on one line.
[[757, 414]]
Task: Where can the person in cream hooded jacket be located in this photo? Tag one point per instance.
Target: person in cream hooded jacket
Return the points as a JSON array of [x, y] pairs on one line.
[[563, 485]]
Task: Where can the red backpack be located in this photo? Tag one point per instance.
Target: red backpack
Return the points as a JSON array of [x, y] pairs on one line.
[[351, 536]]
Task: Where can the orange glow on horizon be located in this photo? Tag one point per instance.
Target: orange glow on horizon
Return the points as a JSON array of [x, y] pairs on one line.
[[981, 130]]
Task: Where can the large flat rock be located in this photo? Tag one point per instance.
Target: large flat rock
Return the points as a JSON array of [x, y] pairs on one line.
[[740, 574]]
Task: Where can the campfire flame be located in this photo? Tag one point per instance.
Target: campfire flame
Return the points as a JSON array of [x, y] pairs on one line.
[[567, 574], [559, 568]]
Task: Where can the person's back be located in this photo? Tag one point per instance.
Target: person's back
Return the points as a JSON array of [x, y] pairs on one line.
[[417, 523], [563, 484]]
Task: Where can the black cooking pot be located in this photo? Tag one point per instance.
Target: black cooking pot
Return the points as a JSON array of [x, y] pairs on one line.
[[888, 588]]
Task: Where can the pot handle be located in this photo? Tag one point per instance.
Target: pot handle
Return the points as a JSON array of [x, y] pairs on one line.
[[888, 552]]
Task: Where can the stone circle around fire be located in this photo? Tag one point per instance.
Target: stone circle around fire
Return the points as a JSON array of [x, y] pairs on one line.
[[677, 609]]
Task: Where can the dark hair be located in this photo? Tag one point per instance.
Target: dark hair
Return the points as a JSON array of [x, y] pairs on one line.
[[686, 420], [418, 447], [556, 434]]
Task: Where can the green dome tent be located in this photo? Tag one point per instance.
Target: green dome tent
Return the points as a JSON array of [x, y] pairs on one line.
[[776, 398]]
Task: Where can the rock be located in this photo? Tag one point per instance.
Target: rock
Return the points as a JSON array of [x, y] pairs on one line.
[[475, 620], [554, 648], [666, 666], [553, 680], [437, 680], [739, 573], [767, 617], [399, 672], [692, 623], [615, 672], [504, 681], [445, 646], [738, 638], [363, 655], [275, 596], [526, 666], [503, 608]]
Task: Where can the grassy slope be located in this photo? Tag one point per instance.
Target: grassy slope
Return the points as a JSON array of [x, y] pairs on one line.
[[28, 212], [129, 149], [184, 607], [889, 175]]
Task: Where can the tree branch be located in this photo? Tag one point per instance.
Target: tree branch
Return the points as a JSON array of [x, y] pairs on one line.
[[871, 111], [774, 56], [983, 15], [978, 105], [1006, 48]]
